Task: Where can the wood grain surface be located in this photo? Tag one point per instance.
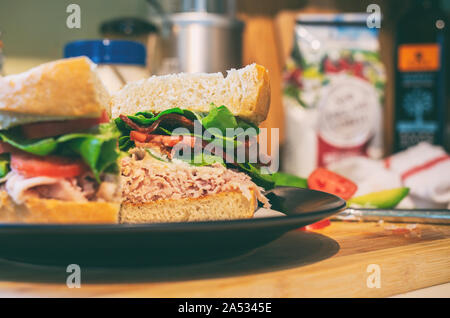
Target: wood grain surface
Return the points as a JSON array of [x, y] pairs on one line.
[[331, 262]]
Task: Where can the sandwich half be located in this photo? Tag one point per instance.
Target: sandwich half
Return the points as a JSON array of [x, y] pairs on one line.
[[173, 128], [58, 153]]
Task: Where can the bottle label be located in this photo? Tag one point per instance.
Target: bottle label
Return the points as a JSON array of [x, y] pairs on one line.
[[349, 111], [418, 57]]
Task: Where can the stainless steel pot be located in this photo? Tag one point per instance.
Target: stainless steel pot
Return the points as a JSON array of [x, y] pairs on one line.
[[196, 42]]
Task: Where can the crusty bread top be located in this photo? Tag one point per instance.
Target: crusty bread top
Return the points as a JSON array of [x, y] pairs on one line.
[[62, 88], [246, 92]]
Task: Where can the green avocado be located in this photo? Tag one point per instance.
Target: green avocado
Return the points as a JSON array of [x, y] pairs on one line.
[[385, 199]]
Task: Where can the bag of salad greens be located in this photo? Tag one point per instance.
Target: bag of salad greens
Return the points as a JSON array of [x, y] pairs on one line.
[[332, 92]]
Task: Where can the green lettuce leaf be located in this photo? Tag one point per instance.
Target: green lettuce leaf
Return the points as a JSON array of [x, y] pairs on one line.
[[97, 148], [285, 179], [125, 143], [220, 118], [148, 118], [261, 179], [205, 160], [245, 125], [40, 147], [97, 151], [4, 165]]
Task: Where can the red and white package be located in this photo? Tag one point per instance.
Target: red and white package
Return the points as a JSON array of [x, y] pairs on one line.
[[333, 91]]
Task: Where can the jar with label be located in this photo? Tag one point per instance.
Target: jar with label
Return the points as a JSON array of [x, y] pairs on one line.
[[333, 92], [119, 61], [420, 88]]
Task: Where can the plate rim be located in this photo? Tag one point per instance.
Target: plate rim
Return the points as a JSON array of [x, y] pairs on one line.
[[183, 226]]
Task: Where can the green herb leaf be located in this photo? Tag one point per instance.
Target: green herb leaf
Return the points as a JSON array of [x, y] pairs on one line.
[[97, 151], [155, 155], [4, 165], [220, 118], [262, 180], [206, 160], [245, 125], [40, 147], [125, 143], [289, 180]]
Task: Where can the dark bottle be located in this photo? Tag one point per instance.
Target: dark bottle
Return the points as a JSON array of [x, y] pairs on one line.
[[420, 104]]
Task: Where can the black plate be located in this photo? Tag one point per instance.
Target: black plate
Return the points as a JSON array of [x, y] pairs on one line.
[[164, 243]]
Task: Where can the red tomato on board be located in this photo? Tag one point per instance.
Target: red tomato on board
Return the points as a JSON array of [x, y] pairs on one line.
[[317, 225], [47, 166], [324, 180]]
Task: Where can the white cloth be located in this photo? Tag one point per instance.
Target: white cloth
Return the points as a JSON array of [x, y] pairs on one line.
[[424, 168]]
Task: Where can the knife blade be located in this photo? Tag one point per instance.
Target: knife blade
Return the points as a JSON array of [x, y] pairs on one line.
[[426, 216]]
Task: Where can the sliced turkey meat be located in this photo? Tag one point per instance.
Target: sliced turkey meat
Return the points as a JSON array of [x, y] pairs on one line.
[[146, 179]]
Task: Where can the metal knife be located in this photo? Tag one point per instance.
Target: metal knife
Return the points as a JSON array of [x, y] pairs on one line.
[[430, 216]]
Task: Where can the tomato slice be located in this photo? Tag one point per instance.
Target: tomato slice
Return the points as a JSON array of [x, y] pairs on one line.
[[138, 136], [167, 141], [48, 166], [171, 141], [316, 226], [56, 128], [327, 181], [104, 118]]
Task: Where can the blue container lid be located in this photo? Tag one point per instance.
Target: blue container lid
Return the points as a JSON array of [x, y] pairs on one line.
[[108, 51]]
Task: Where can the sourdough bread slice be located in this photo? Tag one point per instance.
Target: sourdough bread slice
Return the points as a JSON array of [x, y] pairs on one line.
[[221, 206], [63, 89], [246, 93]]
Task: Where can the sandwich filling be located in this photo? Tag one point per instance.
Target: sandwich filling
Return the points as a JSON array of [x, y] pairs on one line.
[[156, 168], [70, 160], [146, 179]]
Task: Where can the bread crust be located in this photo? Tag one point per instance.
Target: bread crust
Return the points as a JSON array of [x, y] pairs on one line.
[[257, 110], [50, 211], [63, 88], [221, 206], [245, 92]]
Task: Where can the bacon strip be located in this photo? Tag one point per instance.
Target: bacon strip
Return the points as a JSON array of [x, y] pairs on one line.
[[177, 119]]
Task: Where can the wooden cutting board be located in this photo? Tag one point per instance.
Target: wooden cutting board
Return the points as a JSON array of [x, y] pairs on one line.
[[342, 260]]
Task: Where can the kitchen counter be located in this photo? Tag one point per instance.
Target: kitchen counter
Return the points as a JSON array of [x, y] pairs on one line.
[[342, 260]]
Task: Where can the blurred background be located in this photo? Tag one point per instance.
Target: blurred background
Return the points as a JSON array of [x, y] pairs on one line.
[[211, 36]]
